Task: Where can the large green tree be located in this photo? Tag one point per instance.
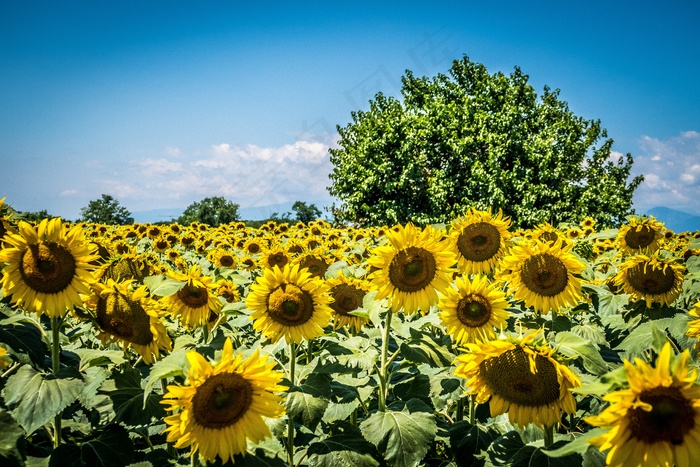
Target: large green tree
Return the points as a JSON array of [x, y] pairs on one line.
[[106, 210], [213, 211], [472, 138]]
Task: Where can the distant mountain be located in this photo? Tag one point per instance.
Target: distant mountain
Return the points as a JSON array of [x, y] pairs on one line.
[[256, 213], [678, 221]]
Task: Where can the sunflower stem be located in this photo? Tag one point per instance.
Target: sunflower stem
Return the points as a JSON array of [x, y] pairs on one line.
[[290, 420], [460, 409], [384, 369], [548, 435], [472, 409], [55, 366]]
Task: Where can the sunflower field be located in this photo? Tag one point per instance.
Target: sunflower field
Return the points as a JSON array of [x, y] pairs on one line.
[[469, 343]]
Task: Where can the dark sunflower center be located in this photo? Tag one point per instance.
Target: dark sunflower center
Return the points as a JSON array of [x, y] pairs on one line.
[[639, 237], [290, 305], [474, 310], [479, 242], [346, 298], [671, 417], [509, 376], [649, 280], [226, 261], [412, 269], [222, 400], [193, 296], [47, 268], [315, 266], [253, 248], [277, 259], [544, 274], [124, 318]]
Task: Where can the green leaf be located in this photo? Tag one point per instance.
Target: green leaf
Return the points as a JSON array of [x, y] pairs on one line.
[[11, 450], [112, 448], [22, 335], [342, 411], [643, 338], [426, 348], [35, 398], [574, 346], [510, 450], [403, 438], [306, 407], [169, 367], [579, 445], [467, 441], [162, 286], [124, 389], [342, 450], [99, 357]]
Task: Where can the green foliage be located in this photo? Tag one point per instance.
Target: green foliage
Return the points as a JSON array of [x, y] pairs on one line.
[[212, 211], [306, 213], [481, 140], [106, 210]]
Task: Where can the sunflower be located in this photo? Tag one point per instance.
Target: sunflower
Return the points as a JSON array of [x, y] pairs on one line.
[[126, 266], [196, 300], [348, 294], [224, 405], [227, 290], [5, 359], [479, 240], [412, 268], [473, 309], [521, 377], [272, 257], [47, 269], [642, 234], [543, 275], [289, 302], [129, 316], [222, 258], [694, 324], [547, 233], [651, 278], [316, 262], [656, 419]]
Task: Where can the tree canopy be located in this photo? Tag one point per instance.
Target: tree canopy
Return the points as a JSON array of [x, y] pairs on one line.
[[474, 139], [306, 213], [212, 211], [106, 210]]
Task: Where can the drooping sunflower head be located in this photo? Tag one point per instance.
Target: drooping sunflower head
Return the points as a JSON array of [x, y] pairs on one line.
[[124, 267], [655, 420], [228, 290], [479, 239], [289, 303], [47, 268], [129, 316], [640, 235], [545, 276], [223, 405], [348, 294], [473, 309], [651, 278], [411, 268], [521, 377], [196, 300]]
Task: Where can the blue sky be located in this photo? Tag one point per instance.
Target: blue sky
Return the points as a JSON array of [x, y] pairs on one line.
[[162, 104]]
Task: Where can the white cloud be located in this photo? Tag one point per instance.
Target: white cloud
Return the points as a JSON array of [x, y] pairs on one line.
[[66, 193], [671, 169], [249, 175], [687, 178]]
